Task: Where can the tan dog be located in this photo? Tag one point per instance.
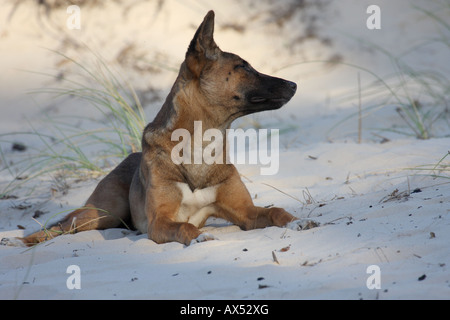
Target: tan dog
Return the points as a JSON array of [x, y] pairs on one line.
[[169, 201]]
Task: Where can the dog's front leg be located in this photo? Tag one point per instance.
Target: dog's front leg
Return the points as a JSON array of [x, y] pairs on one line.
[[164, 225], [253, 217], [234, 204], [162, 230]]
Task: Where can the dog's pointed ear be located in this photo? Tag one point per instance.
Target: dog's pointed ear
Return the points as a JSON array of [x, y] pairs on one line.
[[203, 41], [202, 46]]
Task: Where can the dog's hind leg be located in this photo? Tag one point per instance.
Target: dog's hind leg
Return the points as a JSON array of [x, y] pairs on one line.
[[107, 207]]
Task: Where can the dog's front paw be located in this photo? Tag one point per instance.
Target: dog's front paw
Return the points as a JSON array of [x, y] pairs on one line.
[[12, 242], [202, 238], [302, 224]]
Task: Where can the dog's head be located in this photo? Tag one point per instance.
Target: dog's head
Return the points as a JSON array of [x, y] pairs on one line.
[[230, 83]]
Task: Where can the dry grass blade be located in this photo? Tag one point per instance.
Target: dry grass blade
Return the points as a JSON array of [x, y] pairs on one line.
[[287, 194], [274, 257]]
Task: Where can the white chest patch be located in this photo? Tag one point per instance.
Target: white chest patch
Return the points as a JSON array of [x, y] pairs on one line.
[[196, 206]]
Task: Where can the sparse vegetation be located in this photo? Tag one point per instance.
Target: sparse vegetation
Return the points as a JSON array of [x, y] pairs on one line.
[[65, 148], [420, 96], [441, 169]]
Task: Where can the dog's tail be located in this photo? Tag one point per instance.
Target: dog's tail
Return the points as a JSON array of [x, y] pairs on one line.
[[82, 219]]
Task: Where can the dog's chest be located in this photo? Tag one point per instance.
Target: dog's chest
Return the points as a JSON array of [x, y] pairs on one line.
[[196, 206]]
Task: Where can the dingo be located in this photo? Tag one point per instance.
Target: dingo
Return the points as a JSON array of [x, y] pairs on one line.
[[171, 201]]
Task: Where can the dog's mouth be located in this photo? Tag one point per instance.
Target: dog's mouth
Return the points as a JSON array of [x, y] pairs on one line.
[[257, 99], [260, 103]]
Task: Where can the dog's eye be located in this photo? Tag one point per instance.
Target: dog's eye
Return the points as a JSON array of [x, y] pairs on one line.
[[244, 66]]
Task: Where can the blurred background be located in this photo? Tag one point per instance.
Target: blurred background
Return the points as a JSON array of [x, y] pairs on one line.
[[145, 41]]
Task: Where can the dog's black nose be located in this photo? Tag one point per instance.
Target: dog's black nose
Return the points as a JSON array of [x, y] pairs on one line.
[[292, 85]]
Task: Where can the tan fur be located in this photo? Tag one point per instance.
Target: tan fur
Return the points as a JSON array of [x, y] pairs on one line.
[[171, 202]]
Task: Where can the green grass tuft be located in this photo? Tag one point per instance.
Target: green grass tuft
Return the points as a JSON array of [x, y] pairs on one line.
[[66, 147]]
